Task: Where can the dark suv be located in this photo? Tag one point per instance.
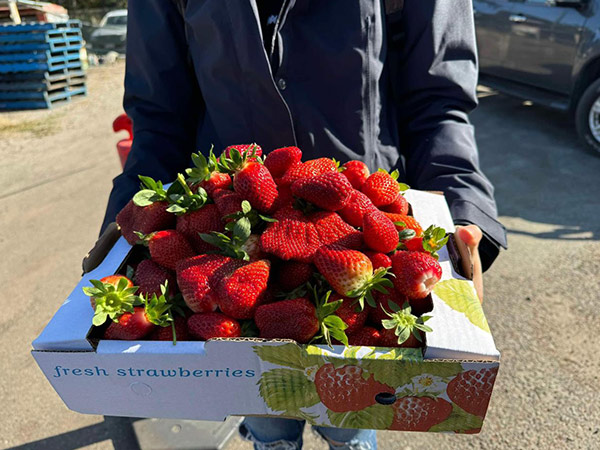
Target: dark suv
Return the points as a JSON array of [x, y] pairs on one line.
[[547, 51]]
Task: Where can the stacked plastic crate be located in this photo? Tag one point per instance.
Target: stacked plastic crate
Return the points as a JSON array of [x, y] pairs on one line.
[[40, 65]]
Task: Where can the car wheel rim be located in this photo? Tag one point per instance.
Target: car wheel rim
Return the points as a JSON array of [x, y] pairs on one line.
[[594, 120]]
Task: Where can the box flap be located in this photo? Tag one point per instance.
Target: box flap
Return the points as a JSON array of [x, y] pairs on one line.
[[69, 327]]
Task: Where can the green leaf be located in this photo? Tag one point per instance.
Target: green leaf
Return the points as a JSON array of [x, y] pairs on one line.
[[144, 198], [288, 355], [402, 372], [148, 182], [246, 208], [461, 296], [376, 416], [459, 421], [99, 318], [287, 390], [403, 187], [242, 229]]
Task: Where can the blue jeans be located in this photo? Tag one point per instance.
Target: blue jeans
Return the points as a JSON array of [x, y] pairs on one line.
[[286, 434]]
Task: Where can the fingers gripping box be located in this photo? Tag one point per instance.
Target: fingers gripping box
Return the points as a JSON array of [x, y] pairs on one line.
[[445, 387]]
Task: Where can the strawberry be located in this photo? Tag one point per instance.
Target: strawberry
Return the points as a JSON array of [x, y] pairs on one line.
[[381, 188], [280, 160], [288, 319], [204, 174], [297, 171], [292, 237], [197, 278], [167, 247], [323, 165], [350, 313], [166, 333], [357, 172], [333, 230], [415, 273], [358, 205], [130, 326], [252, 150], [379, 260], [419, 413], [379, 232], [471, 390], [216, 180], [350, 272], [402, 328], [203, 220], [239, 293], [251, 179], [404, 222], [228, 202], [378, 314], [432, 240], [110, 297], [147, 219], [347, 389], [293, 274], [284, 199], [365, 336], [329, 191], [149, 276], [212, 325], [399, 206]]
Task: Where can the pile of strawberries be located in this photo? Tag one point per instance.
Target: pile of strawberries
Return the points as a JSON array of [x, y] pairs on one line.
[[275, 248]]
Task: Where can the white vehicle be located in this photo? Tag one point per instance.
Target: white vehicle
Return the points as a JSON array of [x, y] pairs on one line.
[[111, 35]]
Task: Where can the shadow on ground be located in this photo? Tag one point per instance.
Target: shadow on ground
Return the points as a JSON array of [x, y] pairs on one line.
[[541, 172]]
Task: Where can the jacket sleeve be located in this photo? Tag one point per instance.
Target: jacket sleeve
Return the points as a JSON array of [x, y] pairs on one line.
[[435, 89], [161, 97]]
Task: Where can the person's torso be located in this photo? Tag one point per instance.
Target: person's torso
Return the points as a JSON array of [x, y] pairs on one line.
[[326, 91]]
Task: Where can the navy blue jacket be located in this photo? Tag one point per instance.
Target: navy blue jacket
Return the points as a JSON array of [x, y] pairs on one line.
[[200, 74]]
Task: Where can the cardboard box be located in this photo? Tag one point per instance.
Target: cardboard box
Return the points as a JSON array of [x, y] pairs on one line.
[[356, 387]]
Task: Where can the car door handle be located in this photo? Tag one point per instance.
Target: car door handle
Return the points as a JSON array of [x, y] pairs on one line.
[[517, 18]]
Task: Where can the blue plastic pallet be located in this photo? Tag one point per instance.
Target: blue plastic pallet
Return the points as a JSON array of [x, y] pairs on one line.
[[35, 26], [44, 101], [44, 84], [52, 57], [35, 66]]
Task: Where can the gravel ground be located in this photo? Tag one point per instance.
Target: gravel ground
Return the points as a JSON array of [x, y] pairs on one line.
[[541, 295]]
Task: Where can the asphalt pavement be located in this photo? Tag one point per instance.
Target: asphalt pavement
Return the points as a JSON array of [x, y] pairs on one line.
[[542, 295]]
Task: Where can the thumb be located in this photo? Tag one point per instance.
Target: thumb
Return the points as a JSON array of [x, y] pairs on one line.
[[470, 235]]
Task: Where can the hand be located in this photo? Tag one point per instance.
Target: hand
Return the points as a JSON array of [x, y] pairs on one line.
[[468, 239]]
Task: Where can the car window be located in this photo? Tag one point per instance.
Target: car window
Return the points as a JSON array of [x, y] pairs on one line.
[[117, 20]]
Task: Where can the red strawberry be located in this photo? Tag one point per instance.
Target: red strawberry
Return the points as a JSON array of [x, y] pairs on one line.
[[408, 221], [346, 389], [389, 339], [419, 413], [414, 244], [239, 293], [357, 172], [379, 260], [296, 172], [280, 160], [333, 230], [255, 184], [400, 206], [111, 291], [430, 241], [415, 273], [149, 276], [167, 247], [292, 274], [197, 278], [381, 188], [365, 336], [288, 319], [323, 165], [145, 220], [471, 390], [166, 333], [243, 149], [284, 199], [350, 313], [213, 325], [358, 205], [216, 180], [379, 232], [203, 220], [330, 191], [292, 237], [376, 315], [228, 202], [130, 326], [349, 272]]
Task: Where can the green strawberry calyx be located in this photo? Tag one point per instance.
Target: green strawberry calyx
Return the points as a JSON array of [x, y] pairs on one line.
[[434, 238], [378, 282], [236, 160], [151, 191], [112, 301], [405, 323], [203, 167], [330, 325], [257, 220], [182, 199], [159, 309]]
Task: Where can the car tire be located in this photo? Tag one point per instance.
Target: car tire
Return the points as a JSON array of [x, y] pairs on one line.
[[585, 117]]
